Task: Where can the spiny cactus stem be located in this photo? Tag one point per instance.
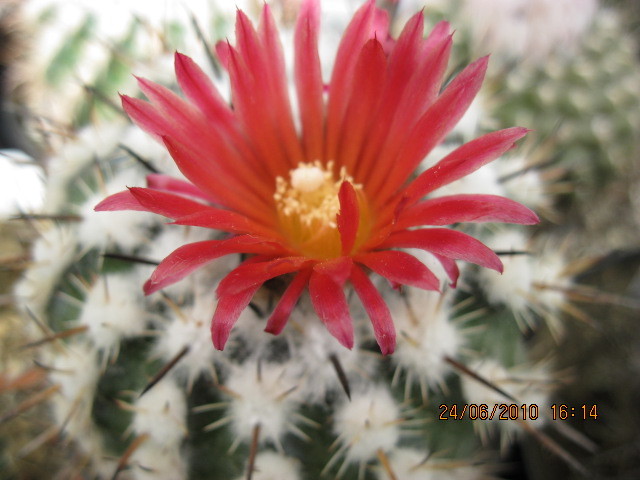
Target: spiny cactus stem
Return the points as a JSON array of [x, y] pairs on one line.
[[255, 438], [44, 216], [30, 402], [342, 377], [165, 369], [207, 48], [584, 293], [124, 459], [141, 160], [554, 447], [512, 252], [467, 371], [56, 336], [384, 461], [130, 258], [91, 90]]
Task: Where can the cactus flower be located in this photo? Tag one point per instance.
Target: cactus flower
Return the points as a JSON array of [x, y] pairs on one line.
[[329, 198]]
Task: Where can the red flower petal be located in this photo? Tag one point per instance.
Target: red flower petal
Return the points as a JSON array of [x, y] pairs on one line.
[[368, 81], [338, 269], [432, 127], [348, 218], [401, 268], [466, 208], [256, 273], [165, 203], [120, 201], [281, 313], [227, 312], [201, 91], [244, 197], [308, 77], [448, 243], [451, 269], [187, 258], [463, 161], [377, 310], [225, 220], [159, 181], [331, 306], [359, 30]]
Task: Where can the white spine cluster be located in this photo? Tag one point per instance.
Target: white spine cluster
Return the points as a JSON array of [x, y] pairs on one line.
[[411, 464], [51, 255], [262, 396], [274, 466], [113, 310], [367, 426], [161, 417], [426, 337]]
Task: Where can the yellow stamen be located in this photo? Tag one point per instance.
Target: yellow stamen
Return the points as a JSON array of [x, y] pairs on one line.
[[307, 206]]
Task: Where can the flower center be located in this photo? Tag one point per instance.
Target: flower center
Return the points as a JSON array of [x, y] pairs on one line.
[[307, 206]]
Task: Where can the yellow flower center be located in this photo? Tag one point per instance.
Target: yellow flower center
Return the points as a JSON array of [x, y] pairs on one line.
[[307, 206]]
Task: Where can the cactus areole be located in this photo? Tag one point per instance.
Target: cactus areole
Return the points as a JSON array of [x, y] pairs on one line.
[[335, 200]]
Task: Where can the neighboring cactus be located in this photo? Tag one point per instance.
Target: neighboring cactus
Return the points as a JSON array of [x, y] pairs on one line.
[[141, 393]]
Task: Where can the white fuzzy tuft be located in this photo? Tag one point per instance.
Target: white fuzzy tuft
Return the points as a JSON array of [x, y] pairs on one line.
[[261, 396], [113, 310], [191, 328], [410, 464], [425, 337], [524, 183], [149, 462], [368, 423], [511, 287], [529, 384], [89, 144], [161, 413], [76, 372], [52, 253], [127, 229], [313, 347], [274, 466]]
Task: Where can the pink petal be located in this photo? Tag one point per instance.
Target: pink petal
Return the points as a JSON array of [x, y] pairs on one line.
[[203, 173], [451, 268], [256, 273], [401, 268], [165, 203], [466, 208], [227, 312], [338, 269], [201, 91], [159, 181], [448, 243], [331, 306], [415, 73], [187, 258], [463, 161], [434, 125], [147, 117], [348, 218], [281, 313], [120, 201], [368, 81], [359, 30], [308, 77], [377, 310], [226, 221], [280, 105]]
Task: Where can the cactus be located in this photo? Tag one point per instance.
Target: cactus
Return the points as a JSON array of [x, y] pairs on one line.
[[135, 386]]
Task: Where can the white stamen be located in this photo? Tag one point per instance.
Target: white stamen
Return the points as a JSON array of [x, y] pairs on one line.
[[307, 178]]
